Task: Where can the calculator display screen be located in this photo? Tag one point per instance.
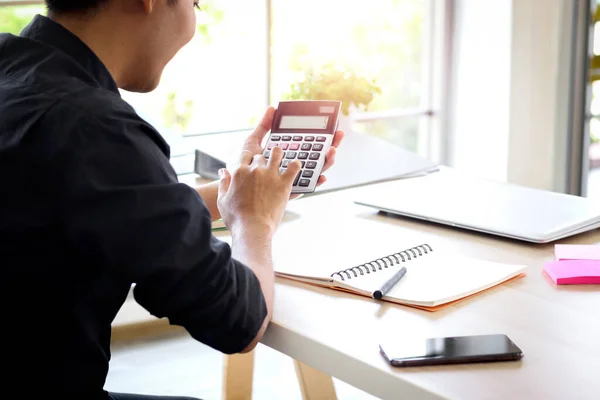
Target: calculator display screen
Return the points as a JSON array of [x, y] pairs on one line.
[[304, 122]]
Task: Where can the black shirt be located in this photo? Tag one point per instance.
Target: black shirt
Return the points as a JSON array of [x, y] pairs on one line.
[[89, 205]]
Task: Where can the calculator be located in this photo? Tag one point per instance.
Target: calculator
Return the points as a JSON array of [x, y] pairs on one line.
[[304, 129]]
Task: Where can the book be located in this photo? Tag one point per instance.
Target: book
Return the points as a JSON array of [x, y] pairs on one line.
[[358, 257], [218, 226], [574, 265], [576, 252], [574, 272]]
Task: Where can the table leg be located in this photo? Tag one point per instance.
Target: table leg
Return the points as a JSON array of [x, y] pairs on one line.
[[237, 377], [314, 384]]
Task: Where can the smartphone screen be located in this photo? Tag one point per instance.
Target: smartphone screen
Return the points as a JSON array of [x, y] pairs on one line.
[[451, 350]]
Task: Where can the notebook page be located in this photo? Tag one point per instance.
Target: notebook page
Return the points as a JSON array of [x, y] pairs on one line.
[[318, 253], [439, 278]]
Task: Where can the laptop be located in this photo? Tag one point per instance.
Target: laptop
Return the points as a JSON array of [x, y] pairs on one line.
[[482, 205]]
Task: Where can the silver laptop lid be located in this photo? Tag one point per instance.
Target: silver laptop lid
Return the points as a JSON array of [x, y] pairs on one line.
[[483, 205]]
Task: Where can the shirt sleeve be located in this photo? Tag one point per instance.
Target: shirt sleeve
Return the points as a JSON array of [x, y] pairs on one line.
[[124, 207]]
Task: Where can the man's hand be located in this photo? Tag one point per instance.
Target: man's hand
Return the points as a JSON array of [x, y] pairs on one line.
[[255, 194], [253, 143]]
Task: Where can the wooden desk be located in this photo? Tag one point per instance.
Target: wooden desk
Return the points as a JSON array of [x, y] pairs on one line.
[[558, 328]]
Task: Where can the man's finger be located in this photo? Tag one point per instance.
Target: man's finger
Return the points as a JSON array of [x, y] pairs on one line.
[[259, 160], [322, 179], [277, 154], [265, 125], [337, 139], [245, 157], [224, 182], [292, 170], [329, 159]]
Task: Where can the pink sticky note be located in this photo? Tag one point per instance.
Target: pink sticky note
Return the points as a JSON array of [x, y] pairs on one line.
[[576, 252], [574, 272]]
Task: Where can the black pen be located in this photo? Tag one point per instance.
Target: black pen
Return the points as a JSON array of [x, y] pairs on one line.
[[378, 294]]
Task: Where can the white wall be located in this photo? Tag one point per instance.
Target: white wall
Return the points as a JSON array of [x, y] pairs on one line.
[[479, 105], [539, 98], [510, 82]]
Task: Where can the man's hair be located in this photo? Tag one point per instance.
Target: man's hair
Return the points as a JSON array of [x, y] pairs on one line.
[[78, 6], [70, 6]]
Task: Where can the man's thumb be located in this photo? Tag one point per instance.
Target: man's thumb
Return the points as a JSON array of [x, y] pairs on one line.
[[225, 180], [265, 125]]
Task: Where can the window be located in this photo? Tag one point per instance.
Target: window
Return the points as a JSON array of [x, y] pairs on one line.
[[593, 190], [13, 18], [218, 81], [247, 54], [384, 41]]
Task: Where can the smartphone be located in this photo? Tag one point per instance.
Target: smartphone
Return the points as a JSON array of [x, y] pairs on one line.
[[451, 350], [304, 129]]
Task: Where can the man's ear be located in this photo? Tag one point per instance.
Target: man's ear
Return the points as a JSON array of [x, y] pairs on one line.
[[148, 5]]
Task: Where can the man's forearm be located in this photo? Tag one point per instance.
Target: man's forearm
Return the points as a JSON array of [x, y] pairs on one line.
[[209, 193], [253, 248]]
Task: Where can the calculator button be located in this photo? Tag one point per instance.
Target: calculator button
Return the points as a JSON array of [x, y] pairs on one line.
[[297, 179], [303, 155], [321, 138], [281, 170], [297, 138], [304, 182], [306, 146], [286, 138], [285, 163], [275, 138], [318, 147], [307, 174], [284, 146], [290, 155], [311, 165], [314, 156], [309, 138], [294, 146], [267, 154], [271, 145]]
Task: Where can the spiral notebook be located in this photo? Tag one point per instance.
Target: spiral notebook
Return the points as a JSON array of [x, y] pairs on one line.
[[433, 280]]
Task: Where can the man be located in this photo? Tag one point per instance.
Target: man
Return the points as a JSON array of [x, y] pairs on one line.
[[89, 204]]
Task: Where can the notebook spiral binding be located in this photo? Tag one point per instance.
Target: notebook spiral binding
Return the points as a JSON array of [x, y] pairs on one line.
[[383, 262]]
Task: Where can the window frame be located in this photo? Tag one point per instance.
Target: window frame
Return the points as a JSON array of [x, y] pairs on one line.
[[433, 110], [6, 3]]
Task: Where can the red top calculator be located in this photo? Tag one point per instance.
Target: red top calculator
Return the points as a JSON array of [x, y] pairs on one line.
[[304, 130]]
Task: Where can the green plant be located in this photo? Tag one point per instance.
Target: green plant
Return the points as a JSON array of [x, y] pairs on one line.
[[332, 83], [209, 16], [173, 116], [14, 18]]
